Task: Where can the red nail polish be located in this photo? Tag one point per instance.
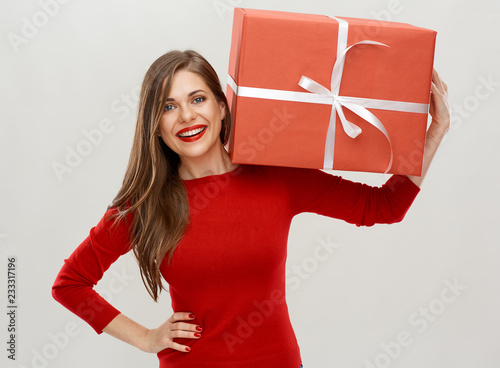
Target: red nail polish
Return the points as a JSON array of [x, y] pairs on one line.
[[197, 334], [198, 328], [191, 315], [188, 348]]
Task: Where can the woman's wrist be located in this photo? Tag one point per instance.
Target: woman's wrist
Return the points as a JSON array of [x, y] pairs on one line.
[[143, 341], [129, 331], [437, 131]]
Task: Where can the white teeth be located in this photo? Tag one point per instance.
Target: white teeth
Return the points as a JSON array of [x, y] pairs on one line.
[[191, 132]]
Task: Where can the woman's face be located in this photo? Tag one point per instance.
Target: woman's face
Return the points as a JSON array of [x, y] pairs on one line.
[[190, 124]]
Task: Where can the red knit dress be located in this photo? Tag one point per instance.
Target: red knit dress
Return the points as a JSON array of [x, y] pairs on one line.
[[229, 268]]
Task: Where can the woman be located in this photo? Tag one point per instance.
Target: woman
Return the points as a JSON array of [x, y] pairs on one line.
[[215, 231]]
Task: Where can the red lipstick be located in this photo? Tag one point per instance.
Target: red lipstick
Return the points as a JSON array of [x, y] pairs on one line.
[[192, 138]]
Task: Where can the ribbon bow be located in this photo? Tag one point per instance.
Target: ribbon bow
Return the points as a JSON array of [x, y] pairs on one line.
[[352, 130]]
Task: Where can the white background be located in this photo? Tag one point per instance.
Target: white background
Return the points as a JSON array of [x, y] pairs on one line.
[[86, 58]]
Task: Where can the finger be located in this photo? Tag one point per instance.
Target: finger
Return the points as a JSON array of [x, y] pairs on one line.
[[437, 80], [439, 106], [185, 326], [180, 347], [181, 316], [434, 90], [439, 100], [177, 334]]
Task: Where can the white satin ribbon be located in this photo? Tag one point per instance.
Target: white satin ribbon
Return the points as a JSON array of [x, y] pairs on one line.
[[282, 95], [321, 95], [352, 130]]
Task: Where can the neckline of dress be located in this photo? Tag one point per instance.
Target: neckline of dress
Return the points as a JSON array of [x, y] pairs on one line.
[[214, 177]]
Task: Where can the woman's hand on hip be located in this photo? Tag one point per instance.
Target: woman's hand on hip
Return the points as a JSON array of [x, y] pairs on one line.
[[158, 339]]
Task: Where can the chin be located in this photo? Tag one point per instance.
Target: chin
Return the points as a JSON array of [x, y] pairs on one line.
[[196, 152]]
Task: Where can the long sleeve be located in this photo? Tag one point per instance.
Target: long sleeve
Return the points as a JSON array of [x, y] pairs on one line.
[[325, 194], [73, 287]]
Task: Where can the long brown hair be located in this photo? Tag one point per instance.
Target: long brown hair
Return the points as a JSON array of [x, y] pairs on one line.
[[152, 189]]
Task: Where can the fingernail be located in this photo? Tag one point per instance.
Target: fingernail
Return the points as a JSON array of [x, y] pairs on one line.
[[191, 315], [188, 348], [197, 334], [198, 328]]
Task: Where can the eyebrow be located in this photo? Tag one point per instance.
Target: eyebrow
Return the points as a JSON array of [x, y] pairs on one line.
[[189, 94]]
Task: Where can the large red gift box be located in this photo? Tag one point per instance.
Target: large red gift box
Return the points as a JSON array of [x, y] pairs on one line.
[[325, 92]]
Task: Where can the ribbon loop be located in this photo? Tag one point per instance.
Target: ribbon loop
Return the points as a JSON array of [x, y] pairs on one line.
[[352, 130], [338, 67], [338, 102], [312, 86]]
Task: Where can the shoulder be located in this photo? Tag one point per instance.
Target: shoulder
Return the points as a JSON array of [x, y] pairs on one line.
[[292, 179], [277, 171], [291, 174]]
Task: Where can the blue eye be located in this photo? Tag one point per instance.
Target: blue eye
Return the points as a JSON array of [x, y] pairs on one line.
[[199, 99], [168, 108]]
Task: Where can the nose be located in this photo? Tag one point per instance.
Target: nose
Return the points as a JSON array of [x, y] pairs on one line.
[[187, 114]]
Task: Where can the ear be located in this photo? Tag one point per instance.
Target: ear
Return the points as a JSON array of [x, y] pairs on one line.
[[222, 109]]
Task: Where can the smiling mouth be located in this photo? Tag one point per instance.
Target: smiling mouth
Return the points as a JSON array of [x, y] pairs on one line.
[[191, 133]]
